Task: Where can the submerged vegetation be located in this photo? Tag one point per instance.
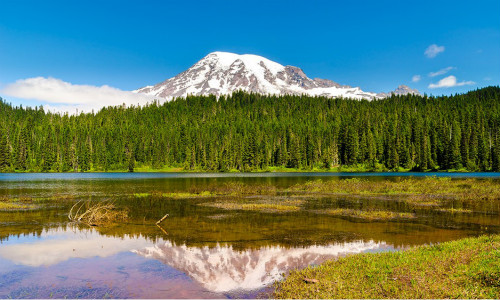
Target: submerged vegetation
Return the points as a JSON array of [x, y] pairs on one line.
[[251, 132], [467, 268]]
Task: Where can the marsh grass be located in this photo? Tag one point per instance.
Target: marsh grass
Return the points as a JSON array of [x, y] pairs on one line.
[[370, 215], [429, 191], [96, 214], [175, 195], [431, 194], [142, 195], [261, 205], [16, 203], [5, 206], [455, 210], [467, 268]]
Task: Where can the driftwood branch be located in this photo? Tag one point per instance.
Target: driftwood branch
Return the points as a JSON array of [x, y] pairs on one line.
[[94, 214], [162, 219]]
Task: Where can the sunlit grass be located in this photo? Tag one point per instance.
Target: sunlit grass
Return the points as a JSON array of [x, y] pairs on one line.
[[430, 191], [370, 215], [15, 206], [455, 210], [187, 194], [142, 195], [263, 206], [467, 268], [16, 203]]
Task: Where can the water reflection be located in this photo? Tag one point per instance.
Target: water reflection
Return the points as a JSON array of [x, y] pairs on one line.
[[223, 269], [60, 244], [74, 262]]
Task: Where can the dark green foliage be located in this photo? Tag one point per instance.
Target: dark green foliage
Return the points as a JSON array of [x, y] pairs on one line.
[[4, 152], [249, 132]]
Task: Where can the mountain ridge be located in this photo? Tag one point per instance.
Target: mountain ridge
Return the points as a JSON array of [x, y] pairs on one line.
[[221, 73]]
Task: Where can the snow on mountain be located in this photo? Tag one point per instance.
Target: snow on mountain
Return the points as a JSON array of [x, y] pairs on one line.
[[221, 73]]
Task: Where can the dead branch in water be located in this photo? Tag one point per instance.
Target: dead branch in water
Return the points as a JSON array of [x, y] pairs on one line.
[[95, 214], [162, 219]]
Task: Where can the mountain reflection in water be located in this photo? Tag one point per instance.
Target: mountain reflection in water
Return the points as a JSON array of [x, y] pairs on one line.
[[222, 269], [68, 251]]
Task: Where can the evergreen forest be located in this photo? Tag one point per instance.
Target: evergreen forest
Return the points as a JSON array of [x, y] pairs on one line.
[[252, 132]]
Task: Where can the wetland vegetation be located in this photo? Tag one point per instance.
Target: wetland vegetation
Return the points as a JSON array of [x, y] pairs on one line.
[[303, 220]]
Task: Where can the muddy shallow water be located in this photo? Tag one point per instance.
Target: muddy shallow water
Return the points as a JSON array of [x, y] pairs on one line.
[[200, 251]]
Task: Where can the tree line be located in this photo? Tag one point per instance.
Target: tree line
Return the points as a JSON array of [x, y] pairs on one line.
[[252, 132]]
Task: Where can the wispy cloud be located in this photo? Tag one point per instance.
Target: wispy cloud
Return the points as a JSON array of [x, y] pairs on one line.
[[64, 96], [441, 72], [433, 50], [416, 78], [447, 82]]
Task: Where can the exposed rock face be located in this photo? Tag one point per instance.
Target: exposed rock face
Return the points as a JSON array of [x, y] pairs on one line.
[[221, 73], [400, 91]]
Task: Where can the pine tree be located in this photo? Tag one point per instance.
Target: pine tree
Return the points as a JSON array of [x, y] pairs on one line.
[[4, 152]]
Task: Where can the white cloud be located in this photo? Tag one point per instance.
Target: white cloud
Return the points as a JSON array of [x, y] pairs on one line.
[[433, 50], [416, 78], [450, 81], [441, 72], [64, 96]]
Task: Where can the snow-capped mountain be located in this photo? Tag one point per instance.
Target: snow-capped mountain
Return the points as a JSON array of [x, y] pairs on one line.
[[221, 73]]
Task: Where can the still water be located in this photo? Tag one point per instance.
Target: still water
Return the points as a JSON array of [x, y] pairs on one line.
[[199, 251]]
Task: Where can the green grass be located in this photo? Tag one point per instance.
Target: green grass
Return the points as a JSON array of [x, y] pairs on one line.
[[17, 203], [370, 215], [262, 206], [467, 268], [424, 191], [455, 210], [176, 195], [142, 195], [15, 206], [187, 194]]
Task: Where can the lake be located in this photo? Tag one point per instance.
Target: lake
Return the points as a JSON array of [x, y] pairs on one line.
[[226, 236]]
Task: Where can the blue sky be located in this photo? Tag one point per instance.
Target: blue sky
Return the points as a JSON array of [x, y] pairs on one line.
[[375, 45]]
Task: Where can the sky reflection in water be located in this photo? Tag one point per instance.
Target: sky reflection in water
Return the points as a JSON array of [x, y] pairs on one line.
[[68, 261]]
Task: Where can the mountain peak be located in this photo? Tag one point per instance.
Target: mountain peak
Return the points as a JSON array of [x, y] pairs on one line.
[[221, 73], [404, 90]]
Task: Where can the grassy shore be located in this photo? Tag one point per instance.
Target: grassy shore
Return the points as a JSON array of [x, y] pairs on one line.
[[467, 268]]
